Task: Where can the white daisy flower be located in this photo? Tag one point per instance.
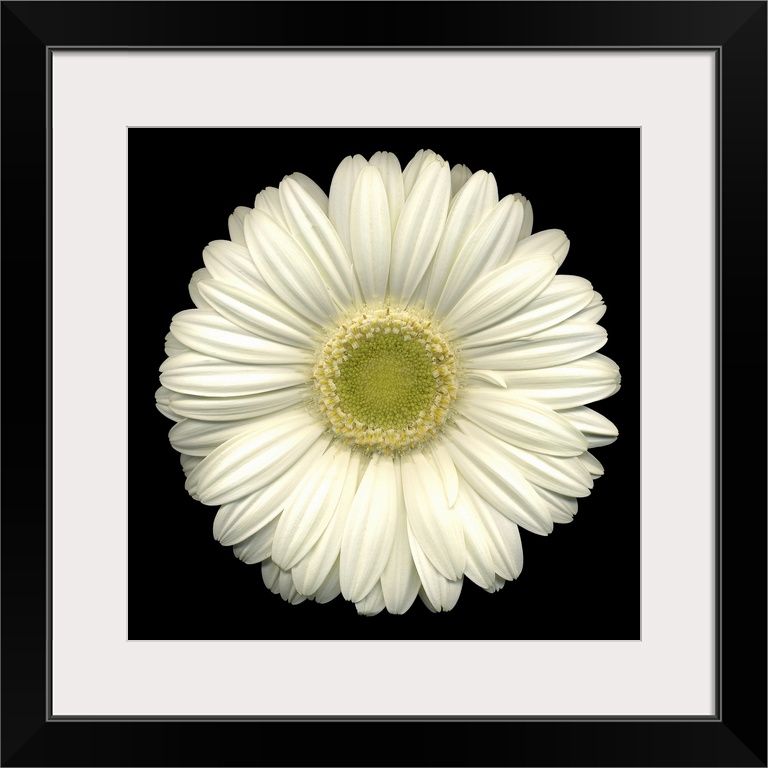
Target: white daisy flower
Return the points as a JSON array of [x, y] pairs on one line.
[[379, 387]]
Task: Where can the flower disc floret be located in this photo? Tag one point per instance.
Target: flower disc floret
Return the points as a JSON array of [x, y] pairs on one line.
[[385, 380]]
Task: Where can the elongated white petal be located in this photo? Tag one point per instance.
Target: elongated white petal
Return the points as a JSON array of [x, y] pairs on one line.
[[593, 312], [268, 202], [270, 573], [488, 377], [236, 234], [194, 291], [471, 205], [259, 312], [443, 593], [416, 166], [596, 429], [370, 529], [500, 294], [527, 227], [173, 346], [551, 242], [256, 458], [258, 545], [310, 508], [195, 374], [311, 227], [594, 377], [370, 234], [442, 461], [231, 263], [435, 525], [488, 247], [460, 175], [372, 603], [312, 188], [524, 423], [279, 582], [288, 270], [592, 465], [561, 507], [188, 463], [491, 472], [162, 401], [400, 580], [340, 197], [502, 534], [389, 168], [235, 408], [557, 345], [209, 333], [313, 569], [561, 299], [331, 586], [199, 438], [239, 519], [479, 566], [418, 230]]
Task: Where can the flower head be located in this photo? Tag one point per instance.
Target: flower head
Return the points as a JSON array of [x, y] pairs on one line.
[[379, 387]]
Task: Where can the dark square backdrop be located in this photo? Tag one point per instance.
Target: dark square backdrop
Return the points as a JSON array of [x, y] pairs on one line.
[[581, 582]]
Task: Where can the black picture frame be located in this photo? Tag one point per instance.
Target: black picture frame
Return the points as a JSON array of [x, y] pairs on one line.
[[736, 735]]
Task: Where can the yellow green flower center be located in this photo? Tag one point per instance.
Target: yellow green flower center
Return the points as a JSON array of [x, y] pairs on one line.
[[385, 380]]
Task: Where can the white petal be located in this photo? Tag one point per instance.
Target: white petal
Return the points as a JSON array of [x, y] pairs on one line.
[[270, 573], [488, 248], [596, 428], [460, 175], [167, 412], [313, 189], [259, 312], [591, 464], [173, 346], [551, 242], [479, 567], [447, 471], [199, 438], [389, 168], [288, 270], [311, 227], [562, 508], [467, 210], [490, 377], [235, 408], [239, 519], [491, 472], [400, 580], [435, 525], [594, 377], [443, 593], [370, 234], [311, 572], [232, 263], [370, 530], [561, 299], [331, 586], [188, 463], [194, 291], [195, 374], [257, 457], [524, 423], [502, 534], [258, 545], [418, 230], [557, 345], [500, 294], [310, 508], [594, 311], [372, 603], [340, 199], [288, 590], [236, 234], [207, 332], [497, 585], [268, 201], [527, 227], [416, 166]]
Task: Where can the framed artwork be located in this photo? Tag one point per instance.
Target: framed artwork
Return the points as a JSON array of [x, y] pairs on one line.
[[133, 131]]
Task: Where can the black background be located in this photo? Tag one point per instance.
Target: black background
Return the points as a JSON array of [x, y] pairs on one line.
[[581, 582]]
